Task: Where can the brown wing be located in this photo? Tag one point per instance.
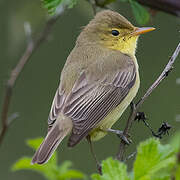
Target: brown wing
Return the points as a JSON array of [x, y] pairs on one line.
[[88, 104]]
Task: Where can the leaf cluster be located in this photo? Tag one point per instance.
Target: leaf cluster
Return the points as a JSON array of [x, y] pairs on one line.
[[50, 170], [53, 5], [154, 161]]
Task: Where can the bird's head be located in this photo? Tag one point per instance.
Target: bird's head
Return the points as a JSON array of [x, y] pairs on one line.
[[111, 30]]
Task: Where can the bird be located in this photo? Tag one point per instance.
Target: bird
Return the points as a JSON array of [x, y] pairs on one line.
[[98, 82]]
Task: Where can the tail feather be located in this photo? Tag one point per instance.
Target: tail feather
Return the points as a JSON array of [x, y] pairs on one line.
[[54, 137]]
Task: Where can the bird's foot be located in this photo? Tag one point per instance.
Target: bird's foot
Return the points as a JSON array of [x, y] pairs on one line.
[[121, 135]]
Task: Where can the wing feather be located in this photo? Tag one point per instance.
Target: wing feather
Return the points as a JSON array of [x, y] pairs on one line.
[[88, 104], [56, 107]]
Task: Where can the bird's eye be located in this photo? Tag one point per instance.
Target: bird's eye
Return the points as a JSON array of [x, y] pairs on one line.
[[115, 32]]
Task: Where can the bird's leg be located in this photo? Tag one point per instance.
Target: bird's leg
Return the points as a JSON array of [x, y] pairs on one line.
[[120, 135], [94, 155]]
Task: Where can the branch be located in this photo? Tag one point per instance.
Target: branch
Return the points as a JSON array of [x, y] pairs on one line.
[[135, 107], [168, 6], [32, 46]]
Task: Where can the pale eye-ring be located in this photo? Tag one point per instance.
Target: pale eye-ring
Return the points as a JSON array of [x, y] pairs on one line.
[[115, 32]]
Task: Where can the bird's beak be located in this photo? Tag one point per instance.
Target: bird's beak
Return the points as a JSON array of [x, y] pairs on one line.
[[142, 30]]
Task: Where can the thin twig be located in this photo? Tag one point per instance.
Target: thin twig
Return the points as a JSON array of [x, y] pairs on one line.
[[32, 46], [135, 108]]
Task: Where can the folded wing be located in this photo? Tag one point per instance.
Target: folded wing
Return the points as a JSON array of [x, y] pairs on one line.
[[89, 103]]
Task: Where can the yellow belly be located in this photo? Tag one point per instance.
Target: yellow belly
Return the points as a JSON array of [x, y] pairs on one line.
[[101, 129]]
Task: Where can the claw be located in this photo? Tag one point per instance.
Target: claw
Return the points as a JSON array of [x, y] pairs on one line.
[[124, 138], [121, 135]]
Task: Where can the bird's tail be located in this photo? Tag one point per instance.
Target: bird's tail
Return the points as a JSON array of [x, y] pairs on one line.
[[57, 133]]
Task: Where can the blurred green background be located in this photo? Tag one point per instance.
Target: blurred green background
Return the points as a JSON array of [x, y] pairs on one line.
[[37, 84]]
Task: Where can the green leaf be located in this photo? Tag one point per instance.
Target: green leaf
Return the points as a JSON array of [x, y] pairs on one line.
[[47, 170], [141, 14], [153, 160], [23, 163], [66, 173], [177, 174], [112, 169], [72, 174], [52, 5], [175, 141], [50, 170], [34, 143], [65, 166]]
